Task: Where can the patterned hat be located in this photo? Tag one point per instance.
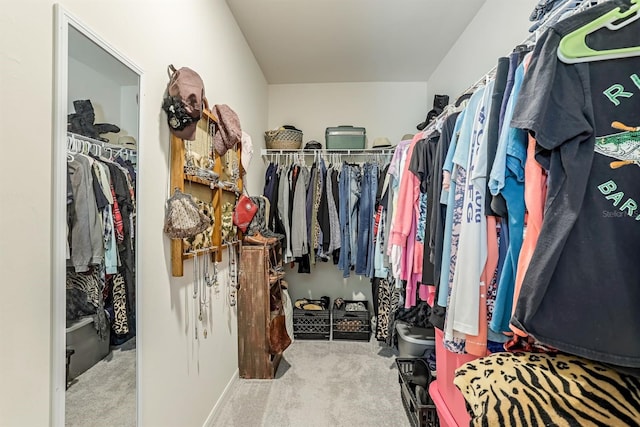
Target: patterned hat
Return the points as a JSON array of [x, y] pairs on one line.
[[228, 132]]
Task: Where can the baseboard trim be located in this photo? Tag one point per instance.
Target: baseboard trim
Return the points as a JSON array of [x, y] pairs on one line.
[[222, 400]]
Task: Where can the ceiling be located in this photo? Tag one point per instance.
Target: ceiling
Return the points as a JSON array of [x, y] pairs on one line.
[[321, 41]]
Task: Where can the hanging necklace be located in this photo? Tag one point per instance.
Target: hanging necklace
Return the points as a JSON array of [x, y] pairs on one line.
[[207, 278], [232, 281], [216, 283], [195, 275], [211, 129], [203, 295], [195, 294]]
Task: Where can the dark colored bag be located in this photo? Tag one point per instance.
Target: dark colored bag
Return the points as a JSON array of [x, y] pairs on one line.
[[418, 315], [244, 212], [279, 339], [313, 145], [439, 102]]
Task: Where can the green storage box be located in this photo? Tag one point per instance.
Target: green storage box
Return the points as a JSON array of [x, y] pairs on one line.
[[345, 137]]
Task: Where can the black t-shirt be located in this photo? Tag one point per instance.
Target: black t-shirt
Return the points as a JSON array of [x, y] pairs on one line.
[[418, 163], [438, 210], [101, 199], [581, 292], [438, 213]]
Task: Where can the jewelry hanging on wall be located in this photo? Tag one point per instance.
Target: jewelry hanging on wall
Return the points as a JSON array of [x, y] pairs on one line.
[[216, 282], [195, 275], [190, 167], [232, 273], [204, 302], [207, 277], [211, 157], [211, 130], [195, 294]]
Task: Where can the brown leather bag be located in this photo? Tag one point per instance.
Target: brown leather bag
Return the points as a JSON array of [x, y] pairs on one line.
[[279, 339]]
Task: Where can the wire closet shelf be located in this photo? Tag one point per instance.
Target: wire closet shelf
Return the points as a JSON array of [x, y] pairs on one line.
[[79, 143]]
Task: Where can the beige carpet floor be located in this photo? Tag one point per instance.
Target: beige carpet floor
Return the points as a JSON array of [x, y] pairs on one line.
[[105, 395], [321, 384], [318, 384]]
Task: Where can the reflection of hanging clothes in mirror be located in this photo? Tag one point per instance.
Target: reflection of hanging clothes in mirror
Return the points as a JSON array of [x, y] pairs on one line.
[[102, 239]]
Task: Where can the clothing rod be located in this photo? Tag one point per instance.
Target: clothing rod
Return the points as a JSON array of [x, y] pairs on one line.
[[99, 143], [551, 18], [344, 152]]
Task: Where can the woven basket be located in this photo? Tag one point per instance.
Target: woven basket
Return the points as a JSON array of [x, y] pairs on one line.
[[283, 139]]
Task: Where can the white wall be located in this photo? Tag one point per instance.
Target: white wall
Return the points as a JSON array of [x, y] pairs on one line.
[[497, 28], [105, 97], [112, 102], [384, 109], [181, 380], [326, 279]]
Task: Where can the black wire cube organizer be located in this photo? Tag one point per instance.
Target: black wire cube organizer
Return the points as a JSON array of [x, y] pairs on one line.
[[311, 324], [351, 325], [418, 413]]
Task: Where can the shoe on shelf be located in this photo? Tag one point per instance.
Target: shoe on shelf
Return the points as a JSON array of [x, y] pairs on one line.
[[275, 276], [259, 239], [270, 240], [431, 362], [253, 240]]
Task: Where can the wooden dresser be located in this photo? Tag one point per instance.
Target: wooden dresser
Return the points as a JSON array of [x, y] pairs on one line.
[[258, 302]]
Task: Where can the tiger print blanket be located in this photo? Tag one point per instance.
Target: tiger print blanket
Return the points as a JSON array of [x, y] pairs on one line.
[[538, 389], [91, 284]]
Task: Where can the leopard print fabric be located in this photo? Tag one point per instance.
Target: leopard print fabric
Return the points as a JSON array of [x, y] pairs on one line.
[[229, 230], [388, 300], [201, 240], [544, 389], [91, 285], [119, 294], [315, 225]]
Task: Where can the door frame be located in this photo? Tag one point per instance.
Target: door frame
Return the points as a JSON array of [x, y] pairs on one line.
[[62, 21]]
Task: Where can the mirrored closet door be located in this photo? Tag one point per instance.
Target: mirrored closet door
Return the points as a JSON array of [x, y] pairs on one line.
[[96, 143]]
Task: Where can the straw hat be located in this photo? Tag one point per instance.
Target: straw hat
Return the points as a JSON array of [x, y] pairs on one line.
[[381, 142], [127, 141]]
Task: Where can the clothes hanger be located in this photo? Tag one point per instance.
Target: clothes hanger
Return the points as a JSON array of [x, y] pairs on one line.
[[72, 143], [69, 143], [70, 148], [573, 47]]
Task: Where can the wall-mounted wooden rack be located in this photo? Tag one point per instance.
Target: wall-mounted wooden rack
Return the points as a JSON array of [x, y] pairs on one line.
[[217, 194]]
